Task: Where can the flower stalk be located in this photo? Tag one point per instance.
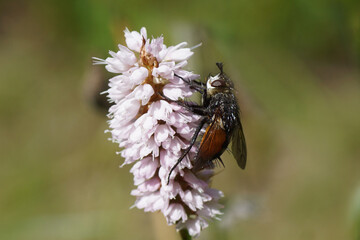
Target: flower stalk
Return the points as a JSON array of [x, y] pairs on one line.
[[185, 234]]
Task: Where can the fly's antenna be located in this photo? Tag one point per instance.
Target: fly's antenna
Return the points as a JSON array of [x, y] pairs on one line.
[[220, 66]]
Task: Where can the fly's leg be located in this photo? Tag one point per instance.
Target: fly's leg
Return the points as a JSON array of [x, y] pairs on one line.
[[221, 161], [192, 107], [187, 150], [198, 86]]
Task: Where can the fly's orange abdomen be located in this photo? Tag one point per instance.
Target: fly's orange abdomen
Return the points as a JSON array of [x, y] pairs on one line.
[[211, 145]]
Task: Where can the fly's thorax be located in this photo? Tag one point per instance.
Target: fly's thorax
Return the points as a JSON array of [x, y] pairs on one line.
[[224, 110]]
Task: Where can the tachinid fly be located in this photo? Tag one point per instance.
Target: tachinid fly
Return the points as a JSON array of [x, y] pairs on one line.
[[220, 115]]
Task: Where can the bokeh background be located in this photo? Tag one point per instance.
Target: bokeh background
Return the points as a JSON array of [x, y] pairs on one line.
[[296, 68]]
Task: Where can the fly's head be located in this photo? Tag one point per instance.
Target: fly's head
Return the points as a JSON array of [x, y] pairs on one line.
[[219, 83]]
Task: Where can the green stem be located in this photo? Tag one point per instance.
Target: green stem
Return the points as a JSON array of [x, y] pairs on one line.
[[185, 234]]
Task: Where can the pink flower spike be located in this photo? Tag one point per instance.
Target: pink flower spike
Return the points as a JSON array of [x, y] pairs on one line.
[[153, 132]]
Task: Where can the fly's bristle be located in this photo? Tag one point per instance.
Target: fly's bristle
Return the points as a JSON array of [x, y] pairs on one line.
[[220, 66]]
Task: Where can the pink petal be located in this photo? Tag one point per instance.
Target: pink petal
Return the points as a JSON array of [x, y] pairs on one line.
[[180, 55], [139, 75], [174, 213], [160, 110], [134, 39], [162, 133], [172, 93], [151, 185], [144, 169], [144, 93]]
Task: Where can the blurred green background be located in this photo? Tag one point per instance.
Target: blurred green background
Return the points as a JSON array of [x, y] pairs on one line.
[[295, 65]]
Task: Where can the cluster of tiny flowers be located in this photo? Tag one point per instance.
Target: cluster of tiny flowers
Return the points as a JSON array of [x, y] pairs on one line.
[[153, 132]]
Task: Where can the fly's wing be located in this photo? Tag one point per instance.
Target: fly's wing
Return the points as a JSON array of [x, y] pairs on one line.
[[238, 147]]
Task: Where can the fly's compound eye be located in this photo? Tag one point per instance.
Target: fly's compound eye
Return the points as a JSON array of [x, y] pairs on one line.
[[217, 83]]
